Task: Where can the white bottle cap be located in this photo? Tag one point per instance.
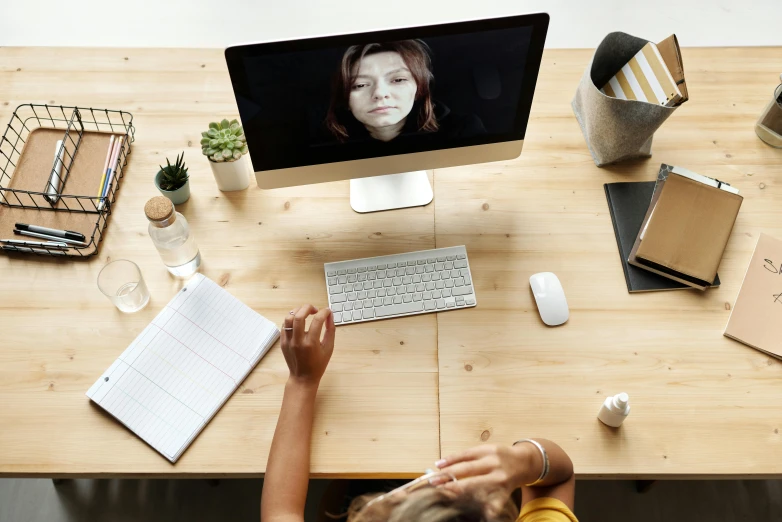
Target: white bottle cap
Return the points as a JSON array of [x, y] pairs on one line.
[[621, 400]]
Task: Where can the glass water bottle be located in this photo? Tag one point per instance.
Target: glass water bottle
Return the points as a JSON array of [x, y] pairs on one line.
[[171, 236], [769, 125]]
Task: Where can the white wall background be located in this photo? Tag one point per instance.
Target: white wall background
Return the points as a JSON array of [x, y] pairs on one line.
[[219, 23]]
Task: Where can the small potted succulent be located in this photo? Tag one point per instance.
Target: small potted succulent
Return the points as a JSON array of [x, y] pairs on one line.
[[173, 180], [226, 147]]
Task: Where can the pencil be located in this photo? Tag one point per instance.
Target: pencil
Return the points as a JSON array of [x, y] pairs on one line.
[[105, 167], [110, 171]]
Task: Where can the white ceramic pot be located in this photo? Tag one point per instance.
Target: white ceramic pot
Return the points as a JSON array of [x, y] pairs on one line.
[[232, 175]]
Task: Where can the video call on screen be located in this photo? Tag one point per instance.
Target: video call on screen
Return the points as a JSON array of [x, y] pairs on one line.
[[337, 104]]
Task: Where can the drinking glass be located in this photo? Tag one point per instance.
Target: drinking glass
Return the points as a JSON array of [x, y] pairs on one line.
[[122, 283], [769, 125]]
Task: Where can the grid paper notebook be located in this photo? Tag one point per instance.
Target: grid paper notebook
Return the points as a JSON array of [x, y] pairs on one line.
[[171, 380]]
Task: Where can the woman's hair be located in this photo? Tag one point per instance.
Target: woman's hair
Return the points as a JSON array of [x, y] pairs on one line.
[[415, 54], [429, 505]]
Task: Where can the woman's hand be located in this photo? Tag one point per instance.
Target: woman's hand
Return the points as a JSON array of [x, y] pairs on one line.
[[306, 353], [491, 470]]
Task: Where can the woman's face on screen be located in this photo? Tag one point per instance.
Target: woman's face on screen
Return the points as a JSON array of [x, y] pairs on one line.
[[383, 91]]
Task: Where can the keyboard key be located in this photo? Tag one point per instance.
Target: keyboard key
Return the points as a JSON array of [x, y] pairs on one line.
[[336, 307], [377, 284], [464, 272], [352, 296], [439, 285], [370, 293], [359, 286], [440, 304], [450, 304], [368, 303], [406, 280], [447, 292], [362, 269], [462, 290], [431, 260], [456, 273], [429, 268], [361, 277], [378, 301], [332, 280], [362, 294], [449, 283], [391, 291], [388, 300], [461, 256], [381, 267], [439, 266], [430, 305], [397, 281], [445, 275], [343, 279], [337, 317], [404, 308], [367, 285], [441, 259], [335, 290], [430, 285], [372, 276], [421, 262], [469, 301], [391, 265], [331, 273], [460, 264], [356, 315], [381, 274], [397, 299], [419, 270], [417, 297], [373, 267], [436, 276], [427, 295], [342, 272], [351, 270], [450, 258], [339, 298], [410, 288], [420, 287], [348, 306], [381, 292], [407, 298], [400, 272], [436, 294], [409, 270], [426, 278], [417, 278], [459, 282], [369, 314], [460, 299], [448, 265], [352, 278], [386, 283]]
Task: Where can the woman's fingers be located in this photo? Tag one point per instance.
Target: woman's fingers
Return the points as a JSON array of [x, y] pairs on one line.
[[473, 453], [287, 335], [316, 326], [300, 322], [471, 468], [331, 332]]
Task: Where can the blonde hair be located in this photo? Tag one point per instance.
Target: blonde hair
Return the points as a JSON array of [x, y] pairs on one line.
[[430, 505]]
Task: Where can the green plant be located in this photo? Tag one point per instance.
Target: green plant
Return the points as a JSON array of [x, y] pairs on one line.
[[224, 141], [174, 176]]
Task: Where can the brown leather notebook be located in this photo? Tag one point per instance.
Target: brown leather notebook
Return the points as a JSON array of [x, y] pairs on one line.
[[672, 56], [755, 317], [686, 229]]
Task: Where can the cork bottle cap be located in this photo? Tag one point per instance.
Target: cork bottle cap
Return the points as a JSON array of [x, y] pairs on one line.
[[159, 209]]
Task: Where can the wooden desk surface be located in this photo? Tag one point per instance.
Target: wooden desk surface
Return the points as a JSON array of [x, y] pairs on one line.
[[702, 404]]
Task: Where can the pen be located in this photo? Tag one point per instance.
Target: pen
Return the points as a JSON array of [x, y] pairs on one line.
[[105, 167], [28, 250], [47, 244], [55, 181], [110, 172], [67, 234], [50, 238]]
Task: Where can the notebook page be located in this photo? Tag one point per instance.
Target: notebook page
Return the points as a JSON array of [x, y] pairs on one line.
[[185, 364]]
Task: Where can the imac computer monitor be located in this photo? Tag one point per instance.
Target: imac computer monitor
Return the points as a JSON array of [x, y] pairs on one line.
[[381, 107]]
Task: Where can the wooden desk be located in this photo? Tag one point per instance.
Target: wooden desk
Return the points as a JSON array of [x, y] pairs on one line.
[[702, 405]]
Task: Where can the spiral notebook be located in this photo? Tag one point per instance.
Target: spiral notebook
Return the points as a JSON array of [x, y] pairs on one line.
[[174, 377]]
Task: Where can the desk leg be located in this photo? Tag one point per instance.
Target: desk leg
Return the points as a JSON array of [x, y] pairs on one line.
[[642, 486], [60, 481]]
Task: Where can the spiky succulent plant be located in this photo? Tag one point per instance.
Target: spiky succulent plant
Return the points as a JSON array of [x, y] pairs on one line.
[[174, 176], [224, 141]]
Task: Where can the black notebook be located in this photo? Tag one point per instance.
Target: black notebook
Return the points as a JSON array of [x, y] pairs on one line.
[[628, 203]]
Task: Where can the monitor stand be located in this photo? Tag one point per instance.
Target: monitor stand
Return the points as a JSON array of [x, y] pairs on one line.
[[410, 189]]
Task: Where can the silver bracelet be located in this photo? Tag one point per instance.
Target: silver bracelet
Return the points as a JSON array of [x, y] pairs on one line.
[[546, 466]]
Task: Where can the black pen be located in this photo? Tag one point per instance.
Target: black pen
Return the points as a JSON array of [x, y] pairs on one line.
[[67, 234], [50, 238]]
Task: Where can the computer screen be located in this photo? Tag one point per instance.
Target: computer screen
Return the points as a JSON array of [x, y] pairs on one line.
[[342, 98]]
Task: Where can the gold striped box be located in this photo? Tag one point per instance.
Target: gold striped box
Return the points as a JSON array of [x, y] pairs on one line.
[[644, 78]]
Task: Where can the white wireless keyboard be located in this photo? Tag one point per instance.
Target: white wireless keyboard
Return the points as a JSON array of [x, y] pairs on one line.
[[398, 285]]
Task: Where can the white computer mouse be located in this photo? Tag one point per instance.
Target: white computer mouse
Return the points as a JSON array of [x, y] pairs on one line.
[[550, 298]]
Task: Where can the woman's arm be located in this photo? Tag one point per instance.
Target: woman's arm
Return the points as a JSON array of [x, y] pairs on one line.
[[287, 471], [494, 469]]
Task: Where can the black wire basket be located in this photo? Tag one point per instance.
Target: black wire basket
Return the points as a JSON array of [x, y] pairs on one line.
[[77, 124]]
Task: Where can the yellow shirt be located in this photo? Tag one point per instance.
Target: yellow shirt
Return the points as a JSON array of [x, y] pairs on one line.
[[546, 510]]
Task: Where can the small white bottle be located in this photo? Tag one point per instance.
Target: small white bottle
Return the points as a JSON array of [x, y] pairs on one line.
[[171, 236], [615, 410]]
